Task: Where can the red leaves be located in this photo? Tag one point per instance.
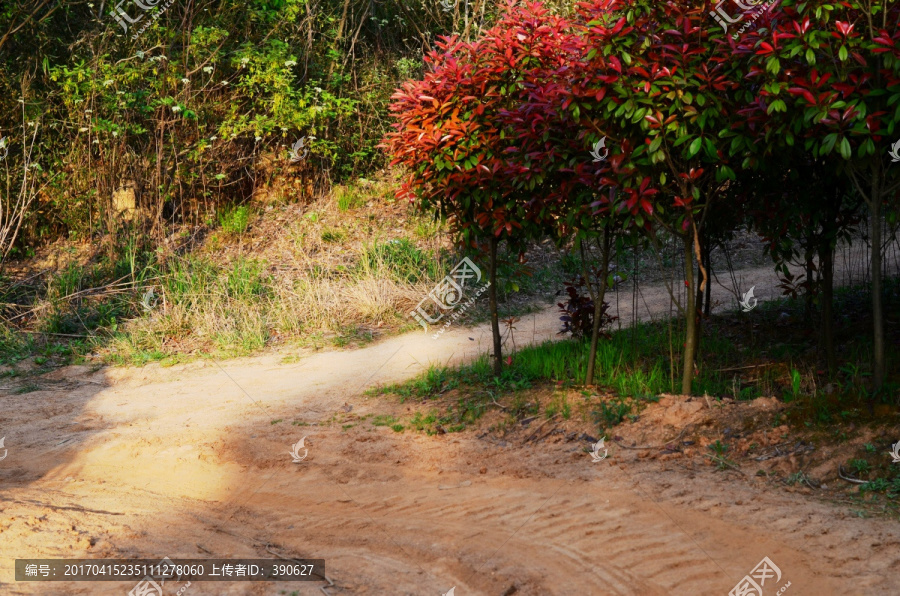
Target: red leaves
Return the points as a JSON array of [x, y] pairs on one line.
[[884, 38], [804, 93], [616, 64], [844, 28], [765, 49], [801, 28], [473, 133]]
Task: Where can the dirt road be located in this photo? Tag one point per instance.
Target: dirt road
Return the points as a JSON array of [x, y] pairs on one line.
[[193, 461]]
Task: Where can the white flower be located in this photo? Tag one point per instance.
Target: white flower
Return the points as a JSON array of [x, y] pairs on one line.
[[207, 69], [88, 111], [31, 124], [258, 138], [245, 61], [290, 63], [317, 89], [82, 129], [96, 141], [115, 133], [108, 82], [213, 138], [176, 109], [185, 81], [224, 82]]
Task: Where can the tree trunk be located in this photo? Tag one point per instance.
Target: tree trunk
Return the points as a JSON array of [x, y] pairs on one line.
[[698, 304], [826, 262], [708, 258], [495, 318], [598, 308], [699, 299], [810, 285], [702, 258], [690, 313], [877, 307]]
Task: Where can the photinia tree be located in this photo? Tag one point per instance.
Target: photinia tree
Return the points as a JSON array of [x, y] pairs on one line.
[[457, 134], [664, 84], [827, 76], [551, 150]]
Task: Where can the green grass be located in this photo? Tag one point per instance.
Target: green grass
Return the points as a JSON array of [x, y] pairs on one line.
[[629, 364], [400, 260], [384, 420], [235, 220], [634, 366], [333, 235], [349, 197]]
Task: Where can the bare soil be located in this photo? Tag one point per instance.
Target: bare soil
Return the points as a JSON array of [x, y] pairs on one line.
[[193, 461]]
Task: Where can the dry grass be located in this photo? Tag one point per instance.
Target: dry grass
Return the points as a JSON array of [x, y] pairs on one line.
[[326, 270]]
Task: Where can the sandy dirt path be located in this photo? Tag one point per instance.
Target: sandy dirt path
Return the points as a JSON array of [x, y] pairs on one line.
[[188, 462]]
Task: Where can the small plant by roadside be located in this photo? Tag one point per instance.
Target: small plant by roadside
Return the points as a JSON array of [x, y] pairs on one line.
[[235, 220]]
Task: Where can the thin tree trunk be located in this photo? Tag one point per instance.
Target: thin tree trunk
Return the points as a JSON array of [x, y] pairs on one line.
[[340, 31], [598, 307], [877, 307], [707, 304], [810, 286], [698, 304], [826, 260], [690, 313], [495, 318]]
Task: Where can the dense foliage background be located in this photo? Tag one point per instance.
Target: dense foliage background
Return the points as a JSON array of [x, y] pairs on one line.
[[201, 109]]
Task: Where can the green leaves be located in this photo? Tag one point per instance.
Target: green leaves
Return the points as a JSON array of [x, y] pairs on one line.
[[846, 152], [777, 105], [694, 149]]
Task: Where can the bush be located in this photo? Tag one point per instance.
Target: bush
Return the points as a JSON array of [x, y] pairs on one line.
[[578, 311]]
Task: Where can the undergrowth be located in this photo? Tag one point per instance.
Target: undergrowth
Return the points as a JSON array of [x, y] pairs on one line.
[[768, 352]]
